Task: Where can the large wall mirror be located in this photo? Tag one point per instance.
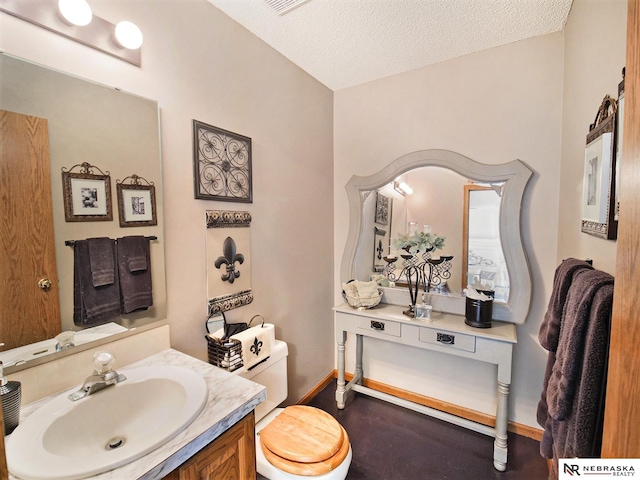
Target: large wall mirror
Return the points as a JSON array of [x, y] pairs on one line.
[[476, 207], [113, 130]]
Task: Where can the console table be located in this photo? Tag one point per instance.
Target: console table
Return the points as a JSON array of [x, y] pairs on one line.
[[447, 333]]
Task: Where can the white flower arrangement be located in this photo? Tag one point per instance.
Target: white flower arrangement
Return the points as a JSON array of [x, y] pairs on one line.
[[420, 242]]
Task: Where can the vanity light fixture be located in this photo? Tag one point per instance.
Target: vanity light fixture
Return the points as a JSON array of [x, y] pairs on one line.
[[128, 35], [75, 12], [74, 19], [402, 188]]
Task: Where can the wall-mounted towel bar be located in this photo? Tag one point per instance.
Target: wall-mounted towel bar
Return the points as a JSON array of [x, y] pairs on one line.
[[587, 260], [71, 243]]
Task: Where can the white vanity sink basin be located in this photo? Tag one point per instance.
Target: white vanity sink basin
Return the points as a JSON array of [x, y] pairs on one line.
[[71, 440]]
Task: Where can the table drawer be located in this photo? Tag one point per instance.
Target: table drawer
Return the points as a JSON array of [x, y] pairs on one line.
[[459, 341], [381, 326]]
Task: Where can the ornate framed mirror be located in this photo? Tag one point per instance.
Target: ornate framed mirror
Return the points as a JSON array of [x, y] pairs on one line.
[[511, 179]]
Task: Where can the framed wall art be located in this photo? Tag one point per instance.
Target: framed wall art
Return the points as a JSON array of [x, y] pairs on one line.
[[87, 195], [136, 202], [228, 245], [221, 164], [598, 191], [382, 209]]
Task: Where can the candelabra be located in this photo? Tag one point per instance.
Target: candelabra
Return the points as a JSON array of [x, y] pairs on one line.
[[420, 270]]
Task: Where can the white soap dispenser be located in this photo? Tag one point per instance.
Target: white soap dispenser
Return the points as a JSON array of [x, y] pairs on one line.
[[10, 396]]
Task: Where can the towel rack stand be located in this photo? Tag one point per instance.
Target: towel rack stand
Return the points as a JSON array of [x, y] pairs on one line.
[[71, 243], [588, 260]]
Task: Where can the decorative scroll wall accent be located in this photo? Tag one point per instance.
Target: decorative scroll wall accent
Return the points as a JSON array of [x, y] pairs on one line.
[[222, 164], [228, 260], [225, 218]]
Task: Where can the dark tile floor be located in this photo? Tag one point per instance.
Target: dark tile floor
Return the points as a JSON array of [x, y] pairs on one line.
[[393, 443]]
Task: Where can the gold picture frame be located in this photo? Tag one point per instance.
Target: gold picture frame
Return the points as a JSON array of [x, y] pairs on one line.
[[136, 202], [87, 195], [598, 192]]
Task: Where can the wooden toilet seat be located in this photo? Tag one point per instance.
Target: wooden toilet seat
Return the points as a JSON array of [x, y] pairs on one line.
[[305, 441]]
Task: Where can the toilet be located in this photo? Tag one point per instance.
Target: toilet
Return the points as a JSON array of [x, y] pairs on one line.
[[321, 448]]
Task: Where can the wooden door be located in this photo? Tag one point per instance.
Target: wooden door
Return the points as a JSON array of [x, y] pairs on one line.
[[621, 436], [29, 312]]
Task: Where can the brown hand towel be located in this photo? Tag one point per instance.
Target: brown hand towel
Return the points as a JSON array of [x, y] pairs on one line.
[[134, 269], [92, 305]]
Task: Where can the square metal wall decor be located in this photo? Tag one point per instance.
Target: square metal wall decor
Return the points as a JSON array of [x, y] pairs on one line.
[[221, 164]]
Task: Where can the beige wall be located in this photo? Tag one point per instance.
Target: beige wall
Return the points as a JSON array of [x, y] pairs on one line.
[[199, 64], [531, 100], [586, 82], [493, 106]]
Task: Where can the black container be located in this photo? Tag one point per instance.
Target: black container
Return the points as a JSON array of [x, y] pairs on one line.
[[478, 313]]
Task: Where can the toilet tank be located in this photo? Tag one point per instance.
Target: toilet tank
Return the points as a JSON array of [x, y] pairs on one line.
[[272, 373]]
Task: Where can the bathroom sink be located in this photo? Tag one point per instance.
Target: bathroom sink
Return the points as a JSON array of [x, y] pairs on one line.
[[69, 440]]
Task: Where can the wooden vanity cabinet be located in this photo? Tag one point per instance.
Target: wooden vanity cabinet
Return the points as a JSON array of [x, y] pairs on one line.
[[231, 456]]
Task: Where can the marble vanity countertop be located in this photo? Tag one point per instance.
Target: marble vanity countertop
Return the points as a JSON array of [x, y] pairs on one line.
[[231, 398]]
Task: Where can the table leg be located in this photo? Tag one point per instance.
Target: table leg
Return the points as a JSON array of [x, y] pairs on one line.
[[358, 372], [341, 390], [500, 443]]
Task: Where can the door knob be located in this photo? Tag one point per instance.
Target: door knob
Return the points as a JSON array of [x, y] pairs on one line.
[[44, 283]]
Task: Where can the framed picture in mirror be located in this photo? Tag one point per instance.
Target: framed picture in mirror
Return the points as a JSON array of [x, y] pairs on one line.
[[380, 249], [382, 209], [136, 202], [87, 195], [598, 191]]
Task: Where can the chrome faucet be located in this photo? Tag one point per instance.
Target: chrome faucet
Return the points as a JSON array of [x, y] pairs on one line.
[[102, 377]]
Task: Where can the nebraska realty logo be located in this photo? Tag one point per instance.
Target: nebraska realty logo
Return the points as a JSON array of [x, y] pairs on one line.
[[598, 467]]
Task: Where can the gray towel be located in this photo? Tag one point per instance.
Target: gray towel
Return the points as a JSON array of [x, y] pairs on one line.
[[134, 269], [579, 312], [584, 429], [575, 384], [580, 435], [92, 305], [103, 271], [549, 333]]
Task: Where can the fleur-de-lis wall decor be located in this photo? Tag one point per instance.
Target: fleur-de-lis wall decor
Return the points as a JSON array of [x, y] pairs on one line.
[[229, 259], [229, 274]]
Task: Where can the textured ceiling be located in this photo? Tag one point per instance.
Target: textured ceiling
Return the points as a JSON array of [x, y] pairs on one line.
[[343, 43]]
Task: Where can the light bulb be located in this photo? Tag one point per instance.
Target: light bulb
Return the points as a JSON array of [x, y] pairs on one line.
[[406, 188], [128, 35], [75, 12]]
